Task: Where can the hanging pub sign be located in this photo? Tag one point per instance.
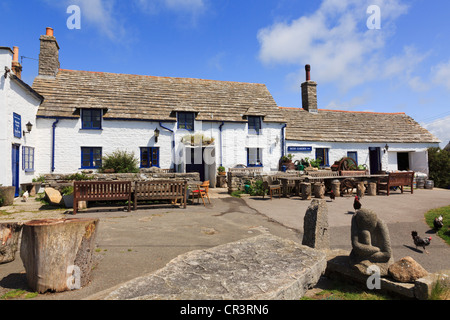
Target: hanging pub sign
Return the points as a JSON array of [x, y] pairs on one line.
[[17, 125], [299, 149]]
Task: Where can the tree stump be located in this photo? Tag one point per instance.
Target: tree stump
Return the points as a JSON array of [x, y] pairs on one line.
[[58, 253], [9, 241], [306, 190]]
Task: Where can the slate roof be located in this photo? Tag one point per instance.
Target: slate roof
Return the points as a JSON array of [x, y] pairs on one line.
[[136, 97], [358, 127]]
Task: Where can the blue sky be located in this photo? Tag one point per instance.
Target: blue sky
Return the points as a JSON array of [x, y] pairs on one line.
[[402, 67]]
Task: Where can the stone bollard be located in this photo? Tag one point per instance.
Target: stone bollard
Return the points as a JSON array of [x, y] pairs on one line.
[[360, 189], [315, 226], [372, 189], [319, 190], [306, 190], [336, 187]]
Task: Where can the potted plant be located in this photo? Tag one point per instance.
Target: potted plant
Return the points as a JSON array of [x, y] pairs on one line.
[[286, 162], [221, 171], [67, 194]]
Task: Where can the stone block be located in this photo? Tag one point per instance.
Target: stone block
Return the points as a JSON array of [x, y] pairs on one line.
[[265, 267], [315, 226]]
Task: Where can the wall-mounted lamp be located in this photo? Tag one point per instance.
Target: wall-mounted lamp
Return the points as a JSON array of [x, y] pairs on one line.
[[156, 135], [277, 140], [386, 148], [29, 127]]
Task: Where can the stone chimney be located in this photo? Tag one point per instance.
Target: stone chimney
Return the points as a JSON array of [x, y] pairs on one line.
[[49, 55], [15, 65], [309, 92]]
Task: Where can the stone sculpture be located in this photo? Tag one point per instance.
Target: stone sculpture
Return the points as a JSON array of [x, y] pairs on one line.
[[370, 242]]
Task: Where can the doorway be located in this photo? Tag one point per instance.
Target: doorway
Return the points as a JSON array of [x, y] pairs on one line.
[[195, 161], [375, 159], [15, 162], [403, 161]]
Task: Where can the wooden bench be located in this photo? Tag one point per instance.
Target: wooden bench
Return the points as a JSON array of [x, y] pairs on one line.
[[101, 191], [161, 190], [396, 179]]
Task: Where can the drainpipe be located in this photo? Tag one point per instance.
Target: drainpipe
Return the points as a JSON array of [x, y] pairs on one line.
[[173, 142], [53, 144], [221, 148], [283, 140]]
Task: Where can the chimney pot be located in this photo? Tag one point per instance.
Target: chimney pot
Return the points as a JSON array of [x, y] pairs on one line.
[[16, 54], [49, 32], [308, 72]]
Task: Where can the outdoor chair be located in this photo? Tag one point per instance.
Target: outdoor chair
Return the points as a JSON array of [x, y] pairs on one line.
[[202, 191], [272, 188]]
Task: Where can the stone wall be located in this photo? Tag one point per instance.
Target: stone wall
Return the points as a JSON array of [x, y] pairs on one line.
[[59, 180]]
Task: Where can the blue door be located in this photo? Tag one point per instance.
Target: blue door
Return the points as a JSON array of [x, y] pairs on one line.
[[15, 167]]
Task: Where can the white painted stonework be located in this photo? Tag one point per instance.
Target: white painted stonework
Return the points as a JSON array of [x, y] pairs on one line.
[[14, 99], [418, 155], [230, 144]]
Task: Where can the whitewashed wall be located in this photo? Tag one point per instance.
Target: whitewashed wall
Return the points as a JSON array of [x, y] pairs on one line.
[[131, 135], [417, 151], [14, 99]]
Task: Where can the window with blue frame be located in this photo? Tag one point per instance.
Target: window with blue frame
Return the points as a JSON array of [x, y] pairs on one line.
[[254, 125], [149, 157], [91, 119], [322, 154], [28, 159], [91, 157], [186, 120], [353, 155], [254, 157]]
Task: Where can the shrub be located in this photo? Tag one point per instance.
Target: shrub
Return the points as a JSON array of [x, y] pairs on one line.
[[79, 177], [120, 162], [439, 166]]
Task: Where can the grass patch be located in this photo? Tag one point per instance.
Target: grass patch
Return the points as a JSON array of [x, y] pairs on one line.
[[444, 233], [340, 290], [441, 289], [237, 193], [18, 294]]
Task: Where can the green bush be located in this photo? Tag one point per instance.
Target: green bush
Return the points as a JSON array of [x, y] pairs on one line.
[[439, 166], [120, 162], [79, 177]]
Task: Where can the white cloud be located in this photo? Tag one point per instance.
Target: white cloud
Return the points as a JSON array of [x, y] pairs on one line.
[[101, 14], [442, 74], [441, 129], [337, 43], [193, 7]]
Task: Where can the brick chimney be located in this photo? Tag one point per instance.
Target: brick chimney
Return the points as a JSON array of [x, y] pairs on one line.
[[309, 92], [49, 55], [15, 65]]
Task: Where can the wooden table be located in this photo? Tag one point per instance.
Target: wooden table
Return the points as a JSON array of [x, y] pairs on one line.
[[284, 184]]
